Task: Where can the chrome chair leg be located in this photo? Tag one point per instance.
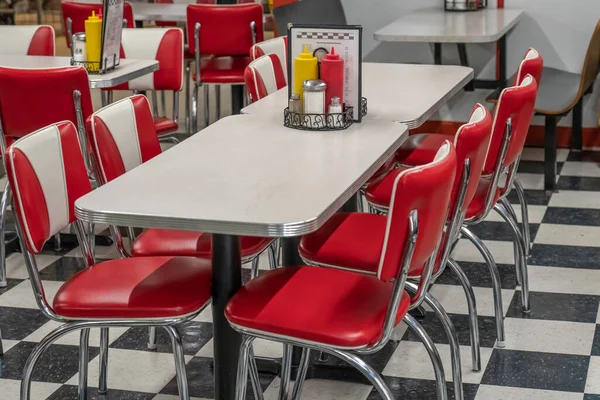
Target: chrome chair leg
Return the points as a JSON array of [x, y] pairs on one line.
[[195, 110], [524, 215], [522, 260], [1, 346], [359, 201], [513, 215], [472, 305], [92, 238], [286, 371], [254, 271], [188, 121], [102, 382], [372, 375], [206, 105], [218, 101], [84, 344], [6, 196], [496, 284], [152, 338], [273, 254], [440, 380], [254, 376], [242, 371], [301, 374], [180, 372], [57, 242]]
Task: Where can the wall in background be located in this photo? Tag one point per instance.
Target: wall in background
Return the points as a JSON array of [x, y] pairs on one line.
[[559, 29]]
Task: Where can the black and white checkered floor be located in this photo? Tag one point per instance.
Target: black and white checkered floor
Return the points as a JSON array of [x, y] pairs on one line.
[[551, 354]]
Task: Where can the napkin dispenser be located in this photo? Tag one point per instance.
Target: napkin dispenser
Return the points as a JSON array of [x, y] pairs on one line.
[[465, 5]]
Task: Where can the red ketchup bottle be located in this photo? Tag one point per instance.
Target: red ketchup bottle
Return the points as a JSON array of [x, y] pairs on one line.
[[332, 72]]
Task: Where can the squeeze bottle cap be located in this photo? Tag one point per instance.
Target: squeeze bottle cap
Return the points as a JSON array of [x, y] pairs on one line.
[[332, 55], [306, 53], [93, 17]]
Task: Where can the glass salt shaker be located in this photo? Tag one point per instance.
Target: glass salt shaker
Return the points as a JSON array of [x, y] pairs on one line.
[[314, 103]]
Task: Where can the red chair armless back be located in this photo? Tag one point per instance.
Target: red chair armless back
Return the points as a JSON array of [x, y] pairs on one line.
[[427, 190], [163, 45], [122, 136], [264, 76], [224, 29], [31, 99], [79, 12], [515, 103], [27, 40], [47, 174], [532, 64], [278, 46]]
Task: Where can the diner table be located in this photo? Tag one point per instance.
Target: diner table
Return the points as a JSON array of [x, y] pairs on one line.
[[244, 175], [127, 70], [435, 25]]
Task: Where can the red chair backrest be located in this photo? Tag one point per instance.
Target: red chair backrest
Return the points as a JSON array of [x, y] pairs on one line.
[[427, 190], [515, 103], [27, 40], [532, 64], [278, 46], [47, 174], [264, 76], [122, 136], [79, 12], [31, 99], [224, 29]]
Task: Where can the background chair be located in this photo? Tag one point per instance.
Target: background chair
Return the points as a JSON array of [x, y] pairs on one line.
[[264, 76], [230, 48], [27, 40], [164, 24], [109, 293], [165, 46], [74, 15], [277, 46]]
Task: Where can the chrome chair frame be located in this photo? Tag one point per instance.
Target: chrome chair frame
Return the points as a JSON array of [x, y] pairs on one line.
[[350, 355]]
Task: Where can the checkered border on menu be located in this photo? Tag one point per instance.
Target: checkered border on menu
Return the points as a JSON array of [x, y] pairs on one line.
[[326, 35]]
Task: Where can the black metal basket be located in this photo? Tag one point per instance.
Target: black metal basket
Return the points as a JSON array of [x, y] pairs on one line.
[[363, 106], [319, 122], [93, 67]]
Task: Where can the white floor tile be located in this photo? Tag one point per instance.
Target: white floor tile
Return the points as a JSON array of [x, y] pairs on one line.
[[564, 280], [11, 389], [21, 296], [487, 392], [501, 251], [262, 348], [205, 315], [7, 344], [140, 371], [319, 389], [575, 199], [411, 360], [169, 397], [452, 298], [536, 214], [15, 264], [532, 181], [568, 235], [549, 336], [73, 337], [537, 154], [593, 378], [580, 168]]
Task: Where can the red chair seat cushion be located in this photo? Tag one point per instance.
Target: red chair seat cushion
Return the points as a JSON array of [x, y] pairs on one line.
[[323, 305], [346, 240], [223, 70], [420, 149], [151, 287], [165, 125], [166, 242]]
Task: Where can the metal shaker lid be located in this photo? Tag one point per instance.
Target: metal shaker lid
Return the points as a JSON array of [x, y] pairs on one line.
[[315, 85]]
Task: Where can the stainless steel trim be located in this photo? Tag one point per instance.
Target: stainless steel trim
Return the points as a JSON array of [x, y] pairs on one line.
[[107, 83]]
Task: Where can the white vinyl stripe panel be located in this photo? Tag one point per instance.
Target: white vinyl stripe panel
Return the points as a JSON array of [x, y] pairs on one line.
[[264, 67], [119, 118], [15, 40], [44, 152], [142, 44], [276, 46]]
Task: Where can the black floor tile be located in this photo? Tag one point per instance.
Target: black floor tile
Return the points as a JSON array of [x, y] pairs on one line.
[[536, 167], [500, 231], [194, 335], [572, 216], [565, 256], [64, 268], [435, 330], [591, 397], [420, 389], [596, 344], [533, 197], [70, 392], [58, 364], [330, 368], [584, 155], [556, 307], [535, 370], [578, 183], [18, 323], [479, 275]]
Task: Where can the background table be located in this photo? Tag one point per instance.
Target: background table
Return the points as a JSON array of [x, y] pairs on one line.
[[407, 93], [128, 69], [438, 26], [244, 175]]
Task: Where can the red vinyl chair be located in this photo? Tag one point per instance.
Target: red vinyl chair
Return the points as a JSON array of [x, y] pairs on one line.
[[349, 313], [264, 76], [108, 294], [74, 15], [34, 40], [277, 46], [168, 23], [165, 46], [229, 47]]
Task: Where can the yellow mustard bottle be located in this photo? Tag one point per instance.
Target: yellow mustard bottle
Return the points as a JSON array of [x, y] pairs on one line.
[[305, 68], [93, 41]]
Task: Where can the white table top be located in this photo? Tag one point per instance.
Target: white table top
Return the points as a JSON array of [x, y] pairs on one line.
[[407, 93], [128, 69], [246, 175], [434, 25], [162, 12]]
